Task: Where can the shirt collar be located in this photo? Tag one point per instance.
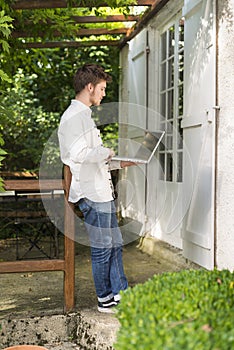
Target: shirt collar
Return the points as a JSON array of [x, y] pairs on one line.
[[81, 104]]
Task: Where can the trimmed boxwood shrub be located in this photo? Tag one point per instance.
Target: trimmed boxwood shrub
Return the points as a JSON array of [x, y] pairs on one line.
[[191, 309]]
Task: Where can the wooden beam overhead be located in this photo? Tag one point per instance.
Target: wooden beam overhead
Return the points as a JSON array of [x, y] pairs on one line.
[[68, 44], [28, 32], [99, 19], [154, 6], [88, 20], [45, 4], [79, 33]]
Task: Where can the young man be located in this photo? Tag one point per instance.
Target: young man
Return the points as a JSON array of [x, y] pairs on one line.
[[91, 188]]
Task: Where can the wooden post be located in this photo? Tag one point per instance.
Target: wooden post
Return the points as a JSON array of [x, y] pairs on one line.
[[69, 245]]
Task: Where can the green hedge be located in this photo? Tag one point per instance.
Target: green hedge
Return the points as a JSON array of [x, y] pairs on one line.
[[191, 309]]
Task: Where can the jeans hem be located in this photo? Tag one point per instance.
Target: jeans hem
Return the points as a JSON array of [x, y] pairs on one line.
[[107, 298]]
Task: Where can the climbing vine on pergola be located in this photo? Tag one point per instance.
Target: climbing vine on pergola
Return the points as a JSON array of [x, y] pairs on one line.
[[74, 23]]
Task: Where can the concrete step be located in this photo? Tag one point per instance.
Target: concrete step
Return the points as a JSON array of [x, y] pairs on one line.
[[87, 329]]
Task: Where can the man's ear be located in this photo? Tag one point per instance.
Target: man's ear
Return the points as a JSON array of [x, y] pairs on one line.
[[90, 87]]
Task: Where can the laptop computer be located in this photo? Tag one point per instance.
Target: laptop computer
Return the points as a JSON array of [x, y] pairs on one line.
[[141, 148]]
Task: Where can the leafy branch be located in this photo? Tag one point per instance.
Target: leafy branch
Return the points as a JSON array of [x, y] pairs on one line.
[[2, 156], [5, 31], [95, 3]]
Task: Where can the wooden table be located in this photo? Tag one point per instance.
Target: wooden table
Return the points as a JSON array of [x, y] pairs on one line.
[[67, 264], [32, 185]]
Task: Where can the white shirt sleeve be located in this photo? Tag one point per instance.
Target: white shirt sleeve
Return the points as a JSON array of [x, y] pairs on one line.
[[81, 153], [115, 164]]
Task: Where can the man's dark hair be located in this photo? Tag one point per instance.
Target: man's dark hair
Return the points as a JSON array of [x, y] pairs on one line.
[[89, 73]]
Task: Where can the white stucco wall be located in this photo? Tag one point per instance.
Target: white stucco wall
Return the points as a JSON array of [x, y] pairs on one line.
[[225, 137], [224, 206]]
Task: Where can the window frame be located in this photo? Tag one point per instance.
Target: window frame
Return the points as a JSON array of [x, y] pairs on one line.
[[171, 158]]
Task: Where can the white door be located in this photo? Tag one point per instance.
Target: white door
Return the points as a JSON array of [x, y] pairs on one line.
[[199, 129], [132, 186], [138, 80], [165, 176]]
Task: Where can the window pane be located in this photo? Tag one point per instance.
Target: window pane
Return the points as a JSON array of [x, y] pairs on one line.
[[181, 68], [170, 104], [162, 146], [180, 167], [169, 165], [170, 82], [164, 46], [181, 34], [163, 105], [163, 76], [179, 135], [171, 40], [162, 166], [169, 141], [181, 100], [169, 128], [169, 136]]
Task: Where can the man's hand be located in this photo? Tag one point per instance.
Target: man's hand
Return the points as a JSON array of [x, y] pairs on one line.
[[111, 154], [124, 163]]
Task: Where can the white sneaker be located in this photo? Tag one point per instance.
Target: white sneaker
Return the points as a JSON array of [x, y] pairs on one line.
[[117, 298], [107, 307]]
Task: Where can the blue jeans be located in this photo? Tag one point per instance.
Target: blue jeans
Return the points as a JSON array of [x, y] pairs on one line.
[[106, 247]]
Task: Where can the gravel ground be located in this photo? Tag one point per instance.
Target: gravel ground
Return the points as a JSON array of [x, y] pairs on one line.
[[41, 293]]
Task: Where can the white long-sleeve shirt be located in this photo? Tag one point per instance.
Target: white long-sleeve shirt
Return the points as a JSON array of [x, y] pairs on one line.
[[82, 150]]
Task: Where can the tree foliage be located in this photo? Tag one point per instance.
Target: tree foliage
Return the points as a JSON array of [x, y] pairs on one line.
[[41, 90], [39, 94], [5, 30], [37, 83], [26, 127]]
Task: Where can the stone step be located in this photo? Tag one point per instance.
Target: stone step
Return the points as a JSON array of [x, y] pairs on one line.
[[87, 329]]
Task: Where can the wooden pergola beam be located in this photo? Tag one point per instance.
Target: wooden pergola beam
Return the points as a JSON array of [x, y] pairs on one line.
[[79, 33], [90, 19], [45, 4], [68, 44], [99, 19]]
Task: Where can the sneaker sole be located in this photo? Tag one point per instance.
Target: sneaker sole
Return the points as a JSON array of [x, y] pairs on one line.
[[106, 310]]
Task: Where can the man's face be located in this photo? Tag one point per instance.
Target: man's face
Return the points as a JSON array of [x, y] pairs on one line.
[[97, 93]]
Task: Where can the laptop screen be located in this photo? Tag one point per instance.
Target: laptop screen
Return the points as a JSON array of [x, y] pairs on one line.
[[140, 145], [148, 144]]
